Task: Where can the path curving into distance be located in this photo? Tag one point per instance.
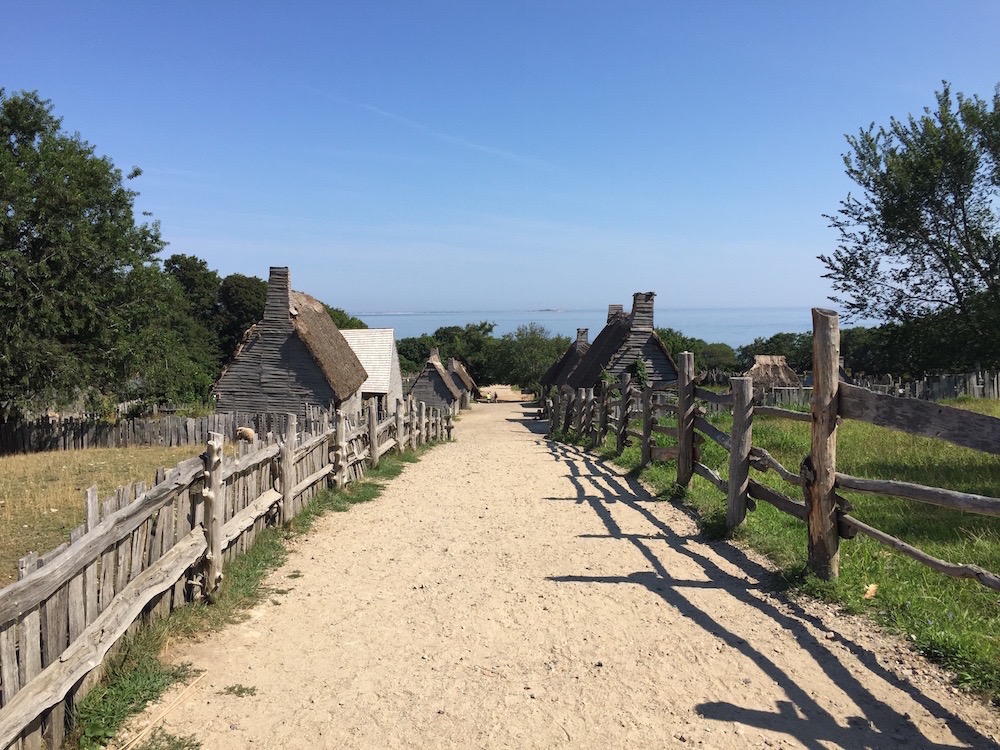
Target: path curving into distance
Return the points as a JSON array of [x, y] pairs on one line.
[[508, 592]]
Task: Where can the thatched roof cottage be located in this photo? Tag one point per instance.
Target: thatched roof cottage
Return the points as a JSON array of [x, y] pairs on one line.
[[435, 386], [624, 341], [772, 371], [376, 349], [560, 370], [461, 377], [295, 357]]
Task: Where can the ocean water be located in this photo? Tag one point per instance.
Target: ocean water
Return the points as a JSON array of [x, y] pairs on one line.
[[735, 326]]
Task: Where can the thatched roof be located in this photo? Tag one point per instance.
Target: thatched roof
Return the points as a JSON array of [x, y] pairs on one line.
[[562, 368], [434, 365], [772, 371], [459, 369], [316, 329]]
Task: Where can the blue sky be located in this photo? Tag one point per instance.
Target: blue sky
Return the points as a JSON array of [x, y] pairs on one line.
[[492, 156]]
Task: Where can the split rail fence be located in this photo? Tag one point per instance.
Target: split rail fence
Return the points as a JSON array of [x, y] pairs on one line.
[[146, 551], [825, 512]]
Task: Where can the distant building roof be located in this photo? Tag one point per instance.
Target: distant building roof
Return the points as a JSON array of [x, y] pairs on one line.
[[374, 347]]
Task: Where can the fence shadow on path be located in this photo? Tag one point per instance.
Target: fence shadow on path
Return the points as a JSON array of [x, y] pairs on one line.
[[880, 725]]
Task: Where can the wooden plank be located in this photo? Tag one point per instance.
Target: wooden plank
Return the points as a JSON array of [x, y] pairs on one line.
[[762, 461], [665, 430], [31, 590], [712, 476], [77, 615], [214, 500], [926, 418], [774, 411], [251, 461], [723, 399], [760, 491], [87, 653], [739, 453], [685, 418], [964, 501], [248, 516], [985, 577], [712, 432], [819, 468], [30, 648]]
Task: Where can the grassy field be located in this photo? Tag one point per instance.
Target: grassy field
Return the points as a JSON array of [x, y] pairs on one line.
[[42, 494], [956, 623]]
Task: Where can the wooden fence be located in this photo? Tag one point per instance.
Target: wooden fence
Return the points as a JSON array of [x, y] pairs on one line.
[[78, 433], [145, 551], [825, 512]]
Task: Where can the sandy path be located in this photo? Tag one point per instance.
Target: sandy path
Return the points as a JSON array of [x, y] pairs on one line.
[[505, 592]]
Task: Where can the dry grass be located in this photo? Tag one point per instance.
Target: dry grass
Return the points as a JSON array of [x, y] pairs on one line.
[[42, 494]]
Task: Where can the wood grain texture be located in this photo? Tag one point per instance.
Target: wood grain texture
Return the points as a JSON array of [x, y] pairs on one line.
[[926, 418]]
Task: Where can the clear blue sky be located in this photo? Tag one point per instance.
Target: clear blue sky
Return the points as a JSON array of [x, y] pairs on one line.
[[505, 155]]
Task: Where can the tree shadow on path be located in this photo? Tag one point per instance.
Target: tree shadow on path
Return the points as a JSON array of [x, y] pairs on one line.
[[801, 716]]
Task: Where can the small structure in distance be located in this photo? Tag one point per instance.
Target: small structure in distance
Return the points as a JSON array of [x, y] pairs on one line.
[[376, 349], [294, 358]]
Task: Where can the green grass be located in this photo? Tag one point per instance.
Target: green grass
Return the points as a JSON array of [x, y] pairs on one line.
[[135, 676], [954, 622]]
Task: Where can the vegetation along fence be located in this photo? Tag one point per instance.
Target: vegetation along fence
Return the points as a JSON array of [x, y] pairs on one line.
[[145, 551], [825, 512]]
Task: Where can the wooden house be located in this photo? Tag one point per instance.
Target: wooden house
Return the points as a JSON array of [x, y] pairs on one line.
[[563, 367], [295, 357], [435, 386], [621, 344], [376, 349], [461, 377]]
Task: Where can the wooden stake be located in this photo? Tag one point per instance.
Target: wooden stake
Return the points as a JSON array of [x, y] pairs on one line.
[[739, 450], [214, 503], [819, 468], [685, 419]]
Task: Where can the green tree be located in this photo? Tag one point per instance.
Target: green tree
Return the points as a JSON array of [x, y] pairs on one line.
[[241, 305], [522, 357], [344, 319], [69, 243], [923, 235]]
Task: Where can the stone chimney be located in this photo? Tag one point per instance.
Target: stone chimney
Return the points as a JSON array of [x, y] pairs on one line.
[[279, 292], [435, 354], [581, 335], [613, 310], [642, 311]]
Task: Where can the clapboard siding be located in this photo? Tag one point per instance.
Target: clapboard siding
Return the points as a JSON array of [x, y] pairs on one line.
[[431, 388], [275, 373]]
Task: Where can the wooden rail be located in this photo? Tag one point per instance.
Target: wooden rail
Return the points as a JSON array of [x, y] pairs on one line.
[[832, 402], [152, 550]]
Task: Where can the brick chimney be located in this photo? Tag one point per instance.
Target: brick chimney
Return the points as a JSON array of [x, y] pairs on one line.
[[642, 311], [613, 310], [279, 292], [581, 335]]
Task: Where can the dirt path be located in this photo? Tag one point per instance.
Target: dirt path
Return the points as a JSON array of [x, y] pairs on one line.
[[506, 592]]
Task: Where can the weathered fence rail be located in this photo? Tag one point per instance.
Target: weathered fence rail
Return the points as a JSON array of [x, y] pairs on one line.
[[80, 433], [146, 551], [630, 413]]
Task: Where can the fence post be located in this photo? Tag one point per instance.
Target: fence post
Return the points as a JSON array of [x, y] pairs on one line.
[[399, 426], [602, 415], [554, 417], [287, 455], [685, 419], [819, 468], [372, 432], [623, 412], [647, 425], [739, 452], [214, 503], [420, 435], [588, 412], [339, 452]]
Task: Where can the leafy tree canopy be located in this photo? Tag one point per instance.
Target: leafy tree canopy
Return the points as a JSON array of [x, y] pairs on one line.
[[69, 249], [343, 319], [922, 236]]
